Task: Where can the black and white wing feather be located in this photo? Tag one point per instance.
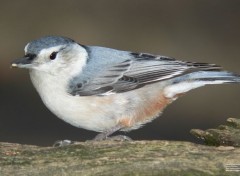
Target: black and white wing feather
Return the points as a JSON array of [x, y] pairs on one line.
[[111, 71]]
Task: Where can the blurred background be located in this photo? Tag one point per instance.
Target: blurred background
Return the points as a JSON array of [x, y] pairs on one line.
[[192, 30]]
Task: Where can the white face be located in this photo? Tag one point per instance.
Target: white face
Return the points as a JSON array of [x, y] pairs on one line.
[[60, 59], [47, 59]]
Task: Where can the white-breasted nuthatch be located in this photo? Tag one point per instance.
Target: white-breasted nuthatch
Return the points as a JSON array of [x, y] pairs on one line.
[[107, 90]]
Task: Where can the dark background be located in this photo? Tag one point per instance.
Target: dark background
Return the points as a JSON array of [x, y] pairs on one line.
[[193, 30]]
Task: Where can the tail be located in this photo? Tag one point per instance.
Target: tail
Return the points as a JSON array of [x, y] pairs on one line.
[[187, 82], [211, 77]]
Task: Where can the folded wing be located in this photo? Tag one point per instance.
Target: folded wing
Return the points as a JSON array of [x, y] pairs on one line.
[[114, 72]]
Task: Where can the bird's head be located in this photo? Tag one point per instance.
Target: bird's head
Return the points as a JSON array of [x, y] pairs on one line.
[[52, 54]]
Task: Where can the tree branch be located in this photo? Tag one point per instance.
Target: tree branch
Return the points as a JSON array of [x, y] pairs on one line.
[[118, 158]]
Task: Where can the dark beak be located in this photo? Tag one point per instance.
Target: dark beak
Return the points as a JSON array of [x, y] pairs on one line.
[[24, 62]]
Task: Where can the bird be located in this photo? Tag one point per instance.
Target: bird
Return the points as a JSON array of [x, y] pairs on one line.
[[108, 90]]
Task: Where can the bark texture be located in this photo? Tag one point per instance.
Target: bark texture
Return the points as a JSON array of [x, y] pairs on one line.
[[228, 134], [121, 158]]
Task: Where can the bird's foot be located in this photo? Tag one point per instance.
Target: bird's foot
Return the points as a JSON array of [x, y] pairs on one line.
[[103, 137], [62, 143], [119, 138]]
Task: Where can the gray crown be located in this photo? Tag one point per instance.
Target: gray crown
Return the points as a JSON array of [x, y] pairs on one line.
[[36, 46]]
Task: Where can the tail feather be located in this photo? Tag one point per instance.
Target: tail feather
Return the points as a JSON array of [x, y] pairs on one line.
[[211, 76], [194, 80]]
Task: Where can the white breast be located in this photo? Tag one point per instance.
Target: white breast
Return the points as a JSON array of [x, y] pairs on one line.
[[92, 113]]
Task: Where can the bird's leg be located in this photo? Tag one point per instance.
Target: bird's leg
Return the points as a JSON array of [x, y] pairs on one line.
[[105, 135], [100, 137]]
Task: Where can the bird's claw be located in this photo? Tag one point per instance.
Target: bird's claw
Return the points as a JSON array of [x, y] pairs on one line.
[[101, 137], [62, 143]]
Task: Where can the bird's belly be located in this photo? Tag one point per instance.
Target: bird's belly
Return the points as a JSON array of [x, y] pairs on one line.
[[91, 113], [100, 113]]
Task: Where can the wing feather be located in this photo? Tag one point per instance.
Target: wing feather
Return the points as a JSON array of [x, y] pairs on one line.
[[130, 71]]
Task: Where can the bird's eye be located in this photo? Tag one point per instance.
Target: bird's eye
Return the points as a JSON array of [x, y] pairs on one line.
[[53, 55]]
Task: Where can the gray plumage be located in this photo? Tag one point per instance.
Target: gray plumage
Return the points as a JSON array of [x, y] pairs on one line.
[[36, 46], [113, 71]]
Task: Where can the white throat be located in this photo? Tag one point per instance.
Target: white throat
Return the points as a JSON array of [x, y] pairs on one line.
[[52, 87]]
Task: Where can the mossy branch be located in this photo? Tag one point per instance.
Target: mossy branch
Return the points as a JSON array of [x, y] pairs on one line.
[[118, 158]]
